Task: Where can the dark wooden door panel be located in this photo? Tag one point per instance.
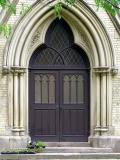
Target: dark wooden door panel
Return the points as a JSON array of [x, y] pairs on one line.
[[61, 113], [45, 122], [73, 122], [44, 115], [74, 105]]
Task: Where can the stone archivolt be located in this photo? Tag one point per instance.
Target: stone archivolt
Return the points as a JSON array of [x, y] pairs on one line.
[[89, 33]]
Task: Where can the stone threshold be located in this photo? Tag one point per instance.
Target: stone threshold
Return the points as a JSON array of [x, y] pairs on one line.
[[68, 144], [47, 156], [77, 150]]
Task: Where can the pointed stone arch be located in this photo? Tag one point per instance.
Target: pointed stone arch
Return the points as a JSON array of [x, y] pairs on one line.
[[93, 31], [89, 33]]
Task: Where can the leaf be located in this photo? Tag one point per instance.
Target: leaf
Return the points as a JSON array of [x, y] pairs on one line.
[[3, 3], [25, 9], [110, 6], [5, 29], [70, 2], [12, 8], [58, 10]]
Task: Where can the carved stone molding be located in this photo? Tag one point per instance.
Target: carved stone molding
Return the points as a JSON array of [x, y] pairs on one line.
[[101, 129], [84, 40], [14, 70], [5, 70], [114, 71], [105, 69], [35, 37], [101, 69], [34, 43], [17, 70]]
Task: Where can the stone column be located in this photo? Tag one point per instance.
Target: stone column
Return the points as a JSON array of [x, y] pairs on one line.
[[98, 110], [104, 126], [101, 76], [16, 104], [22, 103], [18, 126]]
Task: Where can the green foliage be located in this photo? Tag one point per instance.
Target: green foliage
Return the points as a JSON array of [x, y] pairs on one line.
[[111, 6], [25, 9], [3, 3], [11, 7], [70, 2], [58, 9], [23, 151], [5, 30], [19, 151], [36, 145], [32, 147], [40, 144]]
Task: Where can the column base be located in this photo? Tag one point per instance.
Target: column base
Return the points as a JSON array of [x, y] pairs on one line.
[[18, 131], [106, 142], [11, 142], [101, 131]]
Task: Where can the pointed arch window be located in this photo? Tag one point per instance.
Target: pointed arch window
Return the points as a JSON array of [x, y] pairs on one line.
[[59, 49]]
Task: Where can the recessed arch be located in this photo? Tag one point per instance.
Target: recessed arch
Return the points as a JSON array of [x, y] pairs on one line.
[[89, 33], [88, 22], [59, 88]]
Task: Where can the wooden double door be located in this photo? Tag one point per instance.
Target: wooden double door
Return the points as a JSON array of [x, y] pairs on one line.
[[59, 105]]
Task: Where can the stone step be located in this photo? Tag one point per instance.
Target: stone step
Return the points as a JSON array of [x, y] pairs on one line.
[[62, 156], [68, 144], [76, 150]]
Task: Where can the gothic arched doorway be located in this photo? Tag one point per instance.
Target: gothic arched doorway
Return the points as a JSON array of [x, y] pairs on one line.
[[59, 88]]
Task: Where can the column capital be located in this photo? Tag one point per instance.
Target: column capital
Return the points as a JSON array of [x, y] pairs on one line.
[[101, 69], [17, 70], [105, 69], [14, 70]]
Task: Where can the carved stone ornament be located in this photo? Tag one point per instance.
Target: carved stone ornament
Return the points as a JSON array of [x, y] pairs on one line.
[[17, 69], [106, 69], [35, 37], [114, 70], [84, 40], [101, 69], [5, 70], [37, 34], [14, 69]]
